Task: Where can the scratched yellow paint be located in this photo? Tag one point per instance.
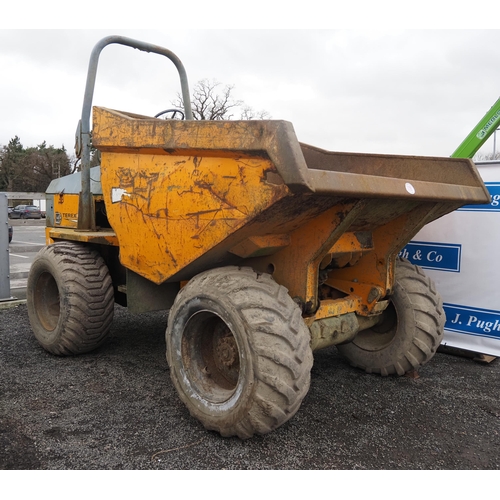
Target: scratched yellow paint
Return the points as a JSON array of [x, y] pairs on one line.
[[169, 210], [66, 210]]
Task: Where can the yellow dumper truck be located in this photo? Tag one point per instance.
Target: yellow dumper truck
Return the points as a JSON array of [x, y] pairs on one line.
[[263, 249]]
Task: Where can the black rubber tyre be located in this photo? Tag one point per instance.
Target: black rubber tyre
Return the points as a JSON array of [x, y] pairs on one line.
[[239, 351], [411, 330], [70, 298]]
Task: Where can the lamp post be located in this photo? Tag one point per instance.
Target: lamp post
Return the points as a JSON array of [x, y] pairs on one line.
[[495, 143]]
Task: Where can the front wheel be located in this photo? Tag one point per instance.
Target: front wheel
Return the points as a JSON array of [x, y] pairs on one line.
[[411, 329], [70, 298], [238, 351]]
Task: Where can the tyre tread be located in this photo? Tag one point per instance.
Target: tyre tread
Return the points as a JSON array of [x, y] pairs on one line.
[[278, 339], [87, 298], [429, 320]]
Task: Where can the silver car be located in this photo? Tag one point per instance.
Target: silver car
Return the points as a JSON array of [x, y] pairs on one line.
[[25, 212]]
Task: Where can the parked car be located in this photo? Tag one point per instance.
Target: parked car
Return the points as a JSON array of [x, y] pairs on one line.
[[11, 233], [26, 212]]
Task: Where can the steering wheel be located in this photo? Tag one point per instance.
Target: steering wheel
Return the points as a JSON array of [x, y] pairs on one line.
[[171, 114]]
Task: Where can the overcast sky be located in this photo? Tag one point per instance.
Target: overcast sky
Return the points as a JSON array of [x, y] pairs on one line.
[[403, 92]]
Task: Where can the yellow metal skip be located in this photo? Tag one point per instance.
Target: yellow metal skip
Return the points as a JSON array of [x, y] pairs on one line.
[[184, 197], [169, 210]]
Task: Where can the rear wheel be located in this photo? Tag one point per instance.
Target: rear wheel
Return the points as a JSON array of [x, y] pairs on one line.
[[238, 351], [410, 331], [70, 298]]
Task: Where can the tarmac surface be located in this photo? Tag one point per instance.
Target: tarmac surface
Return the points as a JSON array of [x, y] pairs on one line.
[[28, 239], [116, 408]]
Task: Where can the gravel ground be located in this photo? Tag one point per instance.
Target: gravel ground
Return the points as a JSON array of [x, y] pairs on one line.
[[116, 408]]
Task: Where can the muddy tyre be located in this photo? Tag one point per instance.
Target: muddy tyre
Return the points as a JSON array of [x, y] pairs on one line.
[[410, 332], [238, 351], [70, 298]]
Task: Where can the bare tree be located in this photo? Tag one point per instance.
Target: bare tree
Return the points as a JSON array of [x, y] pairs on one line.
[[487, 156], [211, 101], [248, 113]]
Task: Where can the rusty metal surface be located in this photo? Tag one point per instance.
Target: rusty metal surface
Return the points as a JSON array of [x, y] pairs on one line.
[[395, 176], [441, 170], [101, 237], [372, 186], [273, 139]]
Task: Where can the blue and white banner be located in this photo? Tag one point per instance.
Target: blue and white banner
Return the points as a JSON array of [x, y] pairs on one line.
[[459, 253], [441, 256], [472, 321]]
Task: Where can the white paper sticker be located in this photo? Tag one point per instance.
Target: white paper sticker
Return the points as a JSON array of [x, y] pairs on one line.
[[410, 188], [117, 193]]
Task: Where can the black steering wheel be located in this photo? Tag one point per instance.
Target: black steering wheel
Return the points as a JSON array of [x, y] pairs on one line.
[[171, 114]]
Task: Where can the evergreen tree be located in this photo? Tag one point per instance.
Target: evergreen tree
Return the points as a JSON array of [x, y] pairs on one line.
[[31, 169]]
